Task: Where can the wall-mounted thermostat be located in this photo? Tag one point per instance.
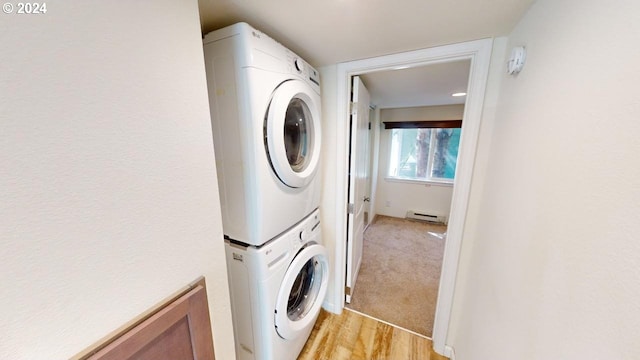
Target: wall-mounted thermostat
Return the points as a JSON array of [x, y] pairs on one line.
[[516, 60]]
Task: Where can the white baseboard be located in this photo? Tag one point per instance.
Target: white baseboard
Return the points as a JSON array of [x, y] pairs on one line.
[[449, 352]]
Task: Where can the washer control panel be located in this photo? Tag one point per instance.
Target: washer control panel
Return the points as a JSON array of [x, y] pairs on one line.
[[309, 229]]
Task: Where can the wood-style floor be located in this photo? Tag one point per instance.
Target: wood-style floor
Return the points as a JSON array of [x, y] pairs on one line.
[[352, 336]]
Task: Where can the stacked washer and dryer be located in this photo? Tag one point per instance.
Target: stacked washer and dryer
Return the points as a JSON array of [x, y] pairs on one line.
[[265, 113]]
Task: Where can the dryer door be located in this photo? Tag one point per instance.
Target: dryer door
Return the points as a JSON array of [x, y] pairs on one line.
[[302, 291], [292, 131]]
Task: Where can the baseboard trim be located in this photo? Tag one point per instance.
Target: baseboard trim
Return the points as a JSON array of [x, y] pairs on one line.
[[449, 352]]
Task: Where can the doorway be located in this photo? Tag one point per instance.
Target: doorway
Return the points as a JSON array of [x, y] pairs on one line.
[[417, 123], [479, 53]]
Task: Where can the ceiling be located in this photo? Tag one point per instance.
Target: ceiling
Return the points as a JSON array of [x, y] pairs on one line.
[[420, 86], [327, 32]]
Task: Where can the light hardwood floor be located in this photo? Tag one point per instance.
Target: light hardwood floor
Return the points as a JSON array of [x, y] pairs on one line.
[[353, 336]]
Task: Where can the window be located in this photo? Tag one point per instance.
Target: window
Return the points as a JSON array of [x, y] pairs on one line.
[[424, 154]]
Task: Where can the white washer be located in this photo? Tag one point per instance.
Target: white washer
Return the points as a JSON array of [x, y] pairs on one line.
[[265, 114], [276, 291]]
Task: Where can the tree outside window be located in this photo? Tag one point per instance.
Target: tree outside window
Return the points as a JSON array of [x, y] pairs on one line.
[[424, 154]]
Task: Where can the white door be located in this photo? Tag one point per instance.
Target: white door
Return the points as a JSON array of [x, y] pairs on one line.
[[357, 181], [293, 133], [302, 291]]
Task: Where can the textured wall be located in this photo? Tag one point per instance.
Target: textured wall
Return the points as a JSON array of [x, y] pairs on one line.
[[107, 178], [550, 267]]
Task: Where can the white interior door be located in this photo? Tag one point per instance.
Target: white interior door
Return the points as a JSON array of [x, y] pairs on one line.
[[357, 181]]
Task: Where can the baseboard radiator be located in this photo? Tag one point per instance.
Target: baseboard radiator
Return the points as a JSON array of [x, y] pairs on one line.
[[427, 216]]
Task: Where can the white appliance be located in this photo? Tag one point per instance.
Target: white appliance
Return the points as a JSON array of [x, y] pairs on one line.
[[276, 291], [265, 114]]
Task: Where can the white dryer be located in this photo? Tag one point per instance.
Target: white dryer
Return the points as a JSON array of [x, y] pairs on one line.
[[277, 291], [265, 114]]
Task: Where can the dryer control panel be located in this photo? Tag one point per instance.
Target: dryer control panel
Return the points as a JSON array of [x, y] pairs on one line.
[[303, 68], [297, 65]]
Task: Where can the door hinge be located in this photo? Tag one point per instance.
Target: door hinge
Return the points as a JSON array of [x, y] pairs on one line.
[[350, 208], [353, 106], [347, 290]]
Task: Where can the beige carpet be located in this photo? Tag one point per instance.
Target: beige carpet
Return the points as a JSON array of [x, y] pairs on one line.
[[400, 272]]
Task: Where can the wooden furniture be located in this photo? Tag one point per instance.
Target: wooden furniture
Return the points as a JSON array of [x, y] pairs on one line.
[[177, 329]]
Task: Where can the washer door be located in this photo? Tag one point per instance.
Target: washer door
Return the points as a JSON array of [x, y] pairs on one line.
[[292, 130], [302, 292]]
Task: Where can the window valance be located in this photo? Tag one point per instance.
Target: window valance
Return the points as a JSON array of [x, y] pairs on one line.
[[423, 124]]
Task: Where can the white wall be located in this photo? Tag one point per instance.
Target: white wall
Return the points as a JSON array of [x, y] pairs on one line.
[[107, 178], [328, 76], [550, 267], [393, 197]]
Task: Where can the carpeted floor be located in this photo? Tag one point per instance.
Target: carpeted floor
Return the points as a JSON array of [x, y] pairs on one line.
[[400, 272]]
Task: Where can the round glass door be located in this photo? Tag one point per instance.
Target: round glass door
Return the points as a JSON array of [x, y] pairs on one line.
[[302, 291], [292, 130], [297, 134]]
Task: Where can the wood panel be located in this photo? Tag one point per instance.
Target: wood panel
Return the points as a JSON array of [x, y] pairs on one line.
[[180, 329], [352, 336]]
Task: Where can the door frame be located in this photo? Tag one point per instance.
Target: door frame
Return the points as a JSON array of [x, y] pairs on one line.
[[479, 52]]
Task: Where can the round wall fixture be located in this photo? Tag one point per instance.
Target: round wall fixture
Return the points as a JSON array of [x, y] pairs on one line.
[[516, 60]]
